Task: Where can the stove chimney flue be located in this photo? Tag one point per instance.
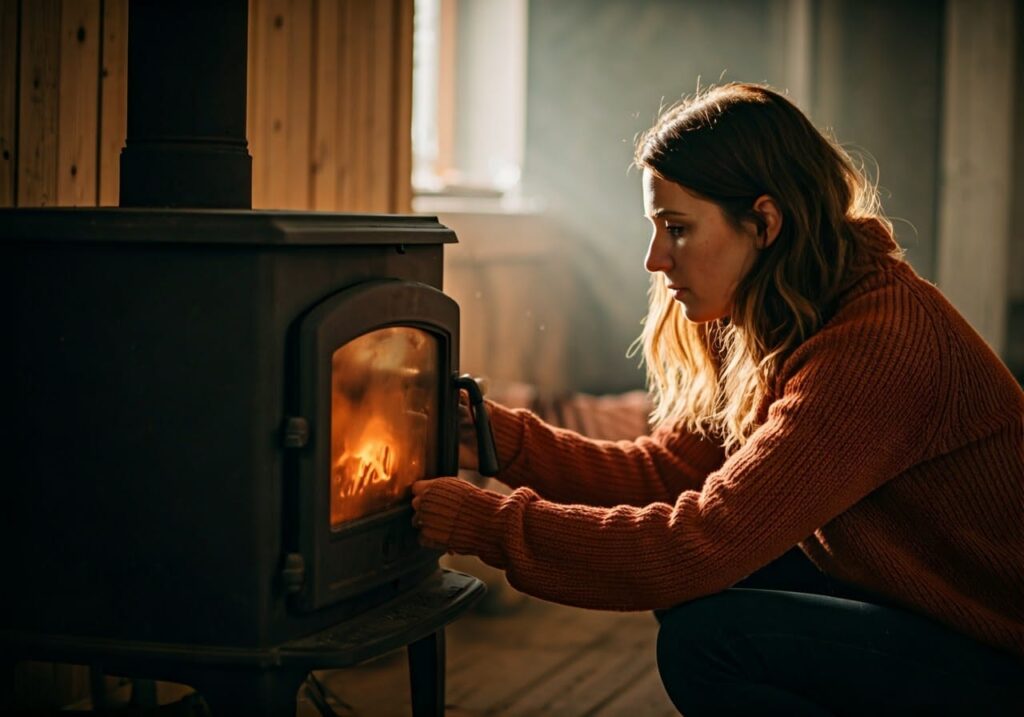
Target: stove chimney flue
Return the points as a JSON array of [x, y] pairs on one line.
[[186, 144]]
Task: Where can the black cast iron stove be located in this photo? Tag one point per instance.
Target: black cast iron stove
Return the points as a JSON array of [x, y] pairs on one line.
[[215, 415]]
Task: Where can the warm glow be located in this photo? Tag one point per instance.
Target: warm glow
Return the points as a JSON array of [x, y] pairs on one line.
[[383, 419], [369, 466], [359, 470]]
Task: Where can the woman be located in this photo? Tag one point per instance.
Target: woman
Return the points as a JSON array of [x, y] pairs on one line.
[[811, 391]]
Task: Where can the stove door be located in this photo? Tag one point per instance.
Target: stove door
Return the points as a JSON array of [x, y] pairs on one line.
[[375, 366]]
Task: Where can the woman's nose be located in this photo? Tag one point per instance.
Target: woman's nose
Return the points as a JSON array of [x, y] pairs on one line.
[[658, 256]]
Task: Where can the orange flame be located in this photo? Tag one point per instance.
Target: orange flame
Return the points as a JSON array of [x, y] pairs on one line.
[[367, 474], [384, 406], [373, 463]]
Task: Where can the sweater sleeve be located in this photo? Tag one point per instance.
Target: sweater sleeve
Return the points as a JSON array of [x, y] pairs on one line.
[[856, 408], [564, 466]]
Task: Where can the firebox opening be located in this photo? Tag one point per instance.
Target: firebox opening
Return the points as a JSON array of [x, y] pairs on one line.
[[384, 419]]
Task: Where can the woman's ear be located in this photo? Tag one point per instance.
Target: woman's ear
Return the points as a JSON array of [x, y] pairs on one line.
[[771, 220]]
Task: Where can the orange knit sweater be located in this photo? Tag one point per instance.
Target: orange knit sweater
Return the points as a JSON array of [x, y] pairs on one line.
[[891, 451]]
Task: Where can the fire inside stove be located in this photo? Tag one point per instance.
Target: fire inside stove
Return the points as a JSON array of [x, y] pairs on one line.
[[384, 419]]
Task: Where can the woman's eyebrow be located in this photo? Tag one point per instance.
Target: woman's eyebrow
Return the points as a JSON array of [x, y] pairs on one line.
[[667, 212]]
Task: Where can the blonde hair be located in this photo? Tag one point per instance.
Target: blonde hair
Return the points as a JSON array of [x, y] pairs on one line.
[[732, 144]]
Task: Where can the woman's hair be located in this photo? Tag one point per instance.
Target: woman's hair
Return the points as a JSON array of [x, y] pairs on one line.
[[731, 144]]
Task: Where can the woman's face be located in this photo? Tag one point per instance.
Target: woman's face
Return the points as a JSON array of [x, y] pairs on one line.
[[702, 256]]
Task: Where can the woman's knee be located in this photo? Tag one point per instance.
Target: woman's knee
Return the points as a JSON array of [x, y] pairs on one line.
[[691, 661], [694, 624]]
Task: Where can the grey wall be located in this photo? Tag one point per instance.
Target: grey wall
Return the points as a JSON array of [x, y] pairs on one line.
[[1015, 316], [877, 79], [598, 70]]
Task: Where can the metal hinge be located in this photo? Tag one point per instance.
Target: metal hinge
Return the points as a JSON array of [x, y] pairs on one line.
[[296, 432], [293, 574]]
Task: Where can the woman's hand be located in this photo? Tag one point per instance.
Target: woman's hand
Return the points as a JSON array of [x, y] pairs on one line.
[[418, 489]]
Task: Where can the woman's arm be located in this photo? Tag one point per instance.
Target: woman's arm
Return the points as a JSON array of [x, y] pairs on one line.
[[564, 466], [856, 407]]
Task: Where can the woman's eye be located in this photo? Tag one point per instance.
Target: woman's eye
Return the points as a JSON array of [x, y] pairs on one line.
[[675, 230]]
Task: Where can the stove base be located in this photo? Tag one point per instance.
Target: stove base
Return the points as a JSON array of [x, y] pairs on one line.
[[264, 680]]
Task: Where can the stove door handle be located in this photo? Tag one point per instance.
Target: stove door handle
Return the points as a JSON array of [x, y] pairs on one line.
[[487, 454]]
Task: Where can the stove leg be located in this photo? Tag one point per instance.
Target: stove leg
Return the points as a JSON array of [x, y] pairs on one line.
[[249, 693], [426, 675], [7, 681], [98, 688]]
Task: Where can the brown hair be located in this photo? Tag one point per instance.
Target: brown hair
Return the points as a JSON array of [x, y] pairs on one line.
[[731, 144]]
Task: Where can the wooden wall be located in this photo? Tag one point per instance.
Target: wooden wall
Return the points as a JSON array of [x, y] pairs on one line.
[[330, 104], [329, 112], [62, 101]]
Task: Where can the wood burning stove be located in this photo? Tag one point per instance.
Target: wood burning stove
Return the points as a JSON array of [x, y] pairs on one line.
[[216, 418], [217, 413]]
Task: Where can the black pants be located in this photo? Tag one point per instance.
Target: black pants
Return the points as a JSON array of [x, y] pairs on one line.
[[790, 641]]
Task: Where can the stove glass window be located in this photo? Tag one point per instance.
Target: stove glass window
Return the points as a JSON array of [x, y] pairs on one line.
[[384, 419]]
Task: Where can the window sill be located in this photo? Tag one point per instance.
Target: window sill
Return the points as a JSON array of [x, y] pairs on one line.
[[452, 204]]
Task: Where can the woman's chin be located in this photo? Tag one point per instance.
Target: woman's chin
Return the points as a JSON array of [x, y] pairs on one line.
[[694, 315]]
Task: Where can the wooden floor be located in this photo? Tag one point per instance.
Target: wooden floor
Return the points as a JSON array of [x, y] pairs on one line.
[[537, 659]]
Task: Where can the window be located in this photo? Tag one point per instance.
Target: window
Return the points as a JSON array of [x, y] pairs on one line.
[[469, 97]]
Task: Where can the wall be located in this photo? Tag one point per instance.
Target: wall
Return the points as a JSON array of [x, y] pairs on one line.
[[877, 83], [597, 73], [62, 101], [507, 275], [330, 104], [977, 163], [1015, 315], [330, 96], [872, 72]]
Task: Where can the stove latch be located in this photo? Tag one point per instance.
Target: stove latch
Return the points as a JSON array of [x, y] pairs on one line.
[[293, 573], [296, 432]]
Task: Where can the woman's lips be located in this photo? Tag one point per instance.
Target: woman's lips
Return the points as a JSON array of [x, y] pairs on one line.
[[677, 292]]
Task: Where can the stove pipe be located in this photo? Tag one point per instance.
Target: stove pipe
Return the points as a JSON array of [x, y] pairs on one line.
[[186, 144]]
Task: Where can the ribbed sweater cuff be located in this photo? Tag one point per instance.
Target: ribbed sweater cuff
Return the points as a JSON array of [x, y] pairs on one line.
[[460, 516]]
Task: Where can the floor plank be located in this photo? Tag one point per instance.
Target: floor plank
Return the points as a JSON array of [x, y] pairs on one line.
[[645, 697], [541, 659], [590, 679]]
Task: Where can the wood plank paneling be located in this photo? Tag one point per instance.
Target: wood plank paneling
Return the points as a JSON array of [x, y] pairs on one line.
[[329, 103], [356, 103], [281, 42], [273, 93], [38, 103], [8, 100], [299, 104], [382, 105], [78, 97], [346, 118], [253, 106], [401, 140], [325, 105], [113, 98]]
